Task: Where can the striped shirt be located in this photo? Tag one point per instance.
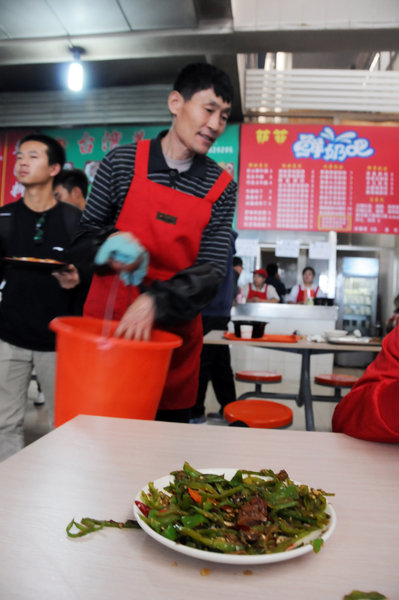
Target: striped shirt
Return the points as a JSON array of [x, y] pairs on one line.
[[112, 182]]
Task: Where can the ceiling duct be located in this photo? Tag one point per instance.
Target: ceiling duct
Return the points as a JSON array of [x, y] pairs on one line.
[[138, 104], [333, 90]]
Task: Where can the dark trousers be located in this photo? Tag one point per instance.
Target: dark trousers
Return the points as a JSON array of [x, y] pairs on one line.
[[215, 367], [181, 415]]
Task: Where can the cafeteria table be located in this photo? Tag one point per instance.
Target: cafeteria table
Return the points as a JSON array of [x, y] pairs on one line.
[[94, 466], [305, 349]]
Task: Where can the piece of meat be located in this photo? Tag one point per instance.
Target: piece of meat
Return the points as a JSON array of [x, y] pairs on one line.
[[252, 513], [282, 475]]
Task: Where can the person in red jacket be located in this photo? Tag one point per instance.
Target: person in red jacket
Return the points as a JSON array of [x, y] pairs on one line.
[[371, 409]]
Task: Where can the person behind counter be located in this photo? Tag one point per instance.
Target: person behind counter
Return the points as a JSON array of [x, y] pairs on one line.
[[164, 200], [305, 293], [273, 278], [371, 409], [259, 290]]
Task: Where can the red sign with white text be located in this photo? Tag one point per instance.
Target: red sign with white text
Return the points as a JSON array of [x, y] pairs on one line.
[[319, 178]]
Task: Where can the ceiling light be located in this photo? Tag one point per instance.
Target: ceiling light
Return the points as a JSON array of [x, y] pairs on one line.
[[75, 71]]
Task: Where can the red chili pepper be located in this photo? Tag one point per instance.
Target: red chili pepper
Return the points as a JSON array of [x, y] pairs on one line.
[[143, 507], [196, 496]]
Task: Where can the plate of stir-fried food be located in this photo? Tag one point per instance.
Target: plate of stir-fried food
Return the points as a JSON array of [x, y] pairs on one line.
[[235, 516]]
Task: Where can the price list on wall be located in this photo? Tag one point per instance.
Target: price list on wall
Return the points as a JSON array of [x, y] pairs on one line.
[[319, 178]]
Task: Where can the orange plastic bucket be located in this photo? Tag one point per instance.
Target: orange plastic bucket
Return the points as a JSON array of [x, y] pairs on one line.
[[108, 376]]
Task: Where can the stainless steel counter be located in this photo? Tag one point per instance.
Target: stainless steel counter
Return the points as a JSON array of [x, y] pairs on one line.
[[286, 318]]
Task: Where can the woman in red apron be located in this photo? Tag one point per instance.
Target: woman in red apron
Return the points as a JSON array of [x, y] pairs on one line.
[[257, 292], [305, 293], [169, 224], [254, 293]]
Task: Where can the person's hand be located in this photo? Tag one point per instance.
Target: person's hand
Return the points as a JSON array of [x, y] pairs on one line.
[[138, 320], [125, 255], [68, 278], [118, 265]]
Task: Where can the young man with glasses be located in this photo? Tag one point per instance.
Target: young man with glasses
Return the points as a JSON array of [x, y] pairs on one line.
[[35, 227]]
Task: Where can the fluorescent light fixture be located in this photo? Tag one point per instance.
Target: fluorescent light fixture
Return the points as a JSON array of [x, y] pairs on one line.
[[75, 76], [75, 71]]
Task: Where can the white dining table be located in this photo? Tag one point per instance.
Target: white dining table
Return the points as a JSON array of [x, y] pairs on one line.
[[94, 467], [306, 349]]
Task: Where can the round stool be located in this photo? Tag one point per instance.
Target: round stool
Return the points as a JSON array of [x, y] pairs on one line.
[[258, 378], [264, 414], [337, 382]]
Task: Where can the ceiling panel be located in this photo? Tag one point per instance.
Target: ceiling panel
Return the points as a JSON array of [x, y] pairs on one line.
[[146, 42], [90, 16], [27, 19], [309, 14], [159, 14]]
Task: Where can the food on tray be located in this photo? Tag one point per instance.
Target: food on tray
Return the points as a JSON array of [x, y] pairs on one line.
[[255, 512], [37, 260]]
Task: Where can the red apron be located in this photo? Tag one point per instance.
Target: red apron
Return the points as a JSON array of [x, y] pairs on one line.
[[253, 293], [302, 294], [169, 224]]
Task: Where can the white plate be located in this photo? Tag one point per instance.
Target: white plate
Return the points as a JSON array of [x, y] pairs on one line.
[[356, 341], [335, 333], [233, 559]]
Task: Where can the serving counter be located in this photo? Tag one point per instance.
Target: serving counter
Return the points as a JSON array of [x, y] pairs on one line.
[[287, 318]]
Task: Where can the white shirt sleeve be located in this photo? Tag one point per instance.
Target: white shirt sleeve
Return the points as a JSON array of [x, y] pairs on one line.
[[292, 296], [244, 292], [272, 293]]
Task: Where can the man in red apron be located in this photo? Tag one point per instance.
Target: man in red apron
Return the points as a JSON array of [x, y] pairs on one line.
[[179, 205]]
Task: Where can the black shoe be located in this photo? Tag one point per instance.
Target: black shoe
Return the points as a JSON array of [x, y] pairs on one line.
[[198, 420], [215, 416]]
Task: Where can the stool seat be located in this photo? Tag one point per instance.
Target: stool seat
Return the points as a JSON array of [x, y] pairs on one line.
[[332, 380], [263, 414], [258, 376]]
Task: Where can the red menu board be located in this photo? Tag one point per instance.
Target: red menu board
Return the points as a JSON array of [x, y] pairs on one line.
[[319, 178]]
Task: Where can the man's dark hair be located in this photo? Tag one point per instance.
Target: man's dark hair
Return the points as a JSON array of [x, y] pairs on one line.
[[71, 178], [309, 269], [196, 77], [237, 261], [55, 152], [272, 269]]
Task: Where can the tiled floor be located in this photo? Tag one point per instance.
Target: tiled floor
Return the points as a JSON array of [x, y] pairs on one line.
[[36, 417]]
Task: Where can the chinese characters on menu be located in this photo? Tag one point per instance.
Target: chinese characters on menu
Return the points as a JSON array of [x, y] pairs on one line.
[[320, 180]]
